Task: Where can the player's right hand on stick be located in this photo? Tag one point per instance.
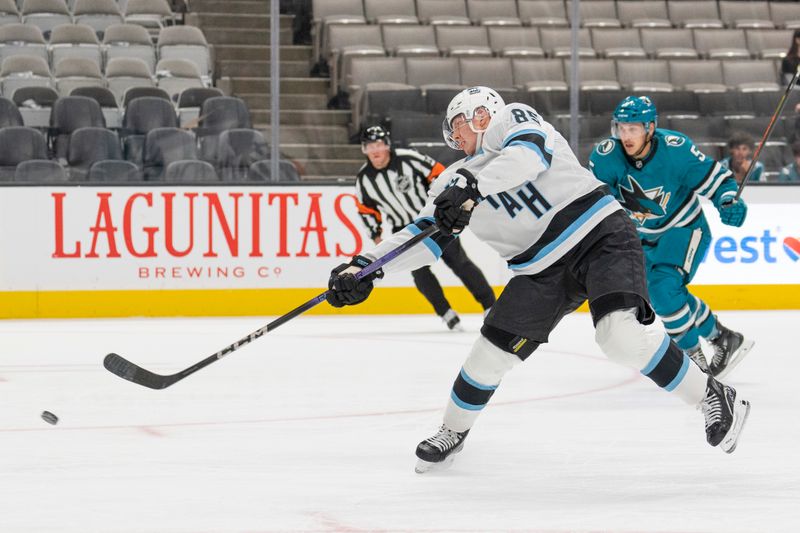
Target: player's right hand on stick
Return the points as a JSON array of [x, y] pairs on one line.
[[345, 289]]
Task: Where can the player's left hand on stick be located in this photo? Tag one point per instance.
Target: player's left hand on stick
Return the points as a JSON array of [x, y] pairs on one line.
[[345, 289], [733, 212], [451, 215]]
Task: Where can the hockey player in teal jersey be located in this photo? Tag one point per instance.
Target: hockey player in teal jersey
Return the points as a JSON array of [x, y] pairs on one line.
[[657, 175]]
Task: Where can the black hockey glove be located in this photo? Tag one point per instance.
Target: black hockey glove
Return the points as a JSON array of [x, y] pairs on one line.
[[450, 217], [345, 289]]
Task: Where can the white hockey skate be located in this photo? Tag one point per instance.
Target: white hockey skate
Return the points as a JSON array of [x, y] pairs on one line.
[[725, 415], [730, 348], [438, 452]]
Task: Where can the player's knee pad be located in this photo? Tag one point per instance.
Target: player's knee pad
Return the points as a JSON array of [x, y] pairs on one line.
[[626, 340], [487, 364], [509, 342]]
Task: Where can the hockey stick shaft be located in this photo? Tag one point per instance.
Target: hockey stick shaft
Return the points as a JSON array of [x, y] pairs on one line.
[[774, 120], [125, 369]]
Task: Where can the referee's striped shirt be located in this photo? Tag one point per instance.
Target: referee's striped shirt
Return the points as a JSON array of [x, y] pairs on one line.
[[397, 192]]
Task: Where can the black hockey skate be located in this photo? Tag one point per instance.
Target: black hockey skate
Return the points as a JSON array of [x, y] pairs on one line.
[[438, 452], [730, 348], [699, 358], [725, 415], [452, 320]]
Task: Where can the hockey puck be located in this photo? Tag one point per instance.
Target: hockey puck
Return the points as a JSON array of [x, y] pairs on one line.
[[49, 417]]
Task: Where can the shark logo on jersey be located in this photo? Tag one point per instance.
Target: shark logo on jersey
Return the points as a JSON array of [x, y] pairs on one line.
[[605, 147], [674, 140], [643, 205]]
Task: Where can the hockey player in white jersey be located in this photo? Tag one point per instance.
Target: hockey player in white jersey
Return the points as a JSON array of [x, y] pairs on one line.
[[566, 240]]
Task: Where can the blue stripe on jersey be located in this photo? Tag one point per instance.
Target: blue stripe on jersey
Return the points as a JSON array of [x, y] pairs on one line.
[[464, 405], [430, 243], [567, 233], [533, 140], [516, 134], [534, 147], [474, 383], [679, 377], [657, 356]]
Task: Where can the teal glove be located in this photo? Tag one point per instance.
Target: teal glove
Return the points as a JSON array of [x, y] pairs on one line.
[[733, 213]]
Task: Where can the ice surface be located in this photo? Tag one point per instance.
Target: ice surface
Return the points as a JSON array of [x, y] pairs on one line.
[[313, 428]]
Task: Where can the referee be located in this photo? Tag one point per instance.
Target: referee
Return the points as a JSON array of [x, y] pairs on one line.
[[392, 187]]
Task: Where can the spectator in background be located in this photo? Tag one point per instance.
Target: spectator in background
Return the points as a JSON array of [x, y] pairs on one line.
[[740, 156], [791, 172], [792, 59], [392, 187]]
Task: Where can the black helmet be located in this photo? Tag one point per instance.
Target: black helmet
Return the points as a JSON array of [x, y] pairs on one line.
[[376, 133]]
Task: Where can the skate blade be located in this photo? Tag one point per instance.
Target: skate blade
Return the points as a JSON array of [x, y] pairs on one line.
[[740, 414], [736, 358], [425, 466]]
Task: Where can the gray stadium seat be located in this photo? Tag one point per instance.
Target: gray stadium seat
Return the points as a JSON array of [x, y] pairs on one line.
[[35, 105], [515, 41], [720, 44], [616, 43], [328, 12], [695, 14], [493, 12], [557, 42], [237, 150], [72, 72], [190, 171], [139, 92], [176, 75], [768, 44], [70, 113], [394, 12], [98, 14], [9, 114], [89, 145], [662, 43], [40, 171], [442, 12], [706, 129], [595, 74], [108, 103], [549, 13], [643, 13], [24, 71], [785, 14], [18, 144], [698, 76], [21, 39], [74, 40], [491, 71], [217, 114], [142, 115], [162, 146], [122, 73], [752, 14], [382, 81], [150, 14], [458, 41], [189, 103], [262, 171], [644, 76], [438, 77], [9, 12], [596, 14], [410, 40], [129, 40], [114, 171], [45, 14], [185, 42], [347, 42], [545, 83]]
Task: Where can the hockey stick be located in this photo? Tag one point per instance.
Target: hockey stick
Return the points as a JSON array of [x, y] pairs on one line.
[[768, 132], [123, 368]]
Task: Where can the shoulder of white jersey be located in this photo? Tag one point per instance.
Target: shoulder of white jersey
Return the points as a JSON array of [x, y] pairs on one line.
[[512, 118]]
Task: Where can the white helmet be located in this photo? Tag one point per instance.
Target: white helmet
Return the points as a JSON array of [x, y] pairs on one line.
[[465, 103]]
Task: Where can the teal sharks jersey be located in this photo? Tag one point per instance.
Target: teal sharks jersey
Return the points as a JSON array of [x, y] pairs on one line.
[[661, 191]]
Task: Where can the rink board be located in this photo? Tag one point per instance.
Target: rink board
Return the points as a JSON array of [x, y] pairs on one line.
[[230, 251]]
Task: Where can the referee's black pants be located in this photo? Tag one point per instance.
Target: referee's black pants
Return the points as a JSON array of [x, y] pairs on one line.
[[468, 272]]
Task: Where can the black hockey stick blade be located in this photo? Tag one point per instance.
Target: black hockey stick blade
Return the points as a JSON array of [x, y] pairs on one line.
[[116, 364]]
